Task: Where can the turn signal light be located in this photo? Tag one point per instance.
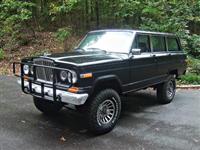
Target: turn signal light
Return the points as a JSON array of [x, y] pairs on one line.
[[73, 89], [86, 75], [26, 78]]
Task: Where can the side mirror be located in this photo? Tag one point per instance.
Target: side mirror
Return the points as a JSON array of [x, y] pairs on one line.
[[136, 51]]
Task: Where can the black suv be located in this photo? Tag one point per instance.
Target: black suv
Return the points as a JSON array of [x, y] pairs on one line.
[[104, 66]]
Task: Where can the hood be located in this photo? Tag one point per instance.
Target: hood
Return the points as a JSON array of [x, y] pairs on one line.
[[85, 58]]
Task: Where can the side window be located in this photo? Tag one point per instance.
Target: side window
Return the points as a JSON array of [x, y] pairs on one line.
[[172, 44], [158, 43], [142, 42]]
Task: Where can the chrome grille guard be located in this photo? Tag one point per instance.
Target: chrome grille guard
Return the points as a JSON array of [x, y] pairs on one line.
[[32, 79]]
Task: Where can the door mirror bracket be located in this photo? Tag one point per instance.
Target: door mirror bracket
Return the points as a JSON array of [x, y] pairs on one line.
[[135, 51]]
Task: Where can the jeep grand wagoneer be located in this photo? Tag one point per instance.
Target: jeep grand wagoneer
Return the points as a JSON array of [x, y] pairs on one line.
[[104, 66]]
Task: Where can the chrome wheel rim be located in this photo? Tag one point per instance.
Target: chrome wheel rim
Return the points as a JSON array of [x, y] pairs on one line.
[[170, 90], [106, 112]]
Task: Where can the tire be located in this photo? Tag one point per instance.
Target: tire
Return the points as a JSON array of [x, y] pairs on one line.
[[46, 106], [104, 111], [166, 91]]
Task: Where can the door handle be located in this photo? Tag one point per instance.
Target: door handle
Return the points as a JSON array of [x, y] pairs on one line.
[[155, 58]]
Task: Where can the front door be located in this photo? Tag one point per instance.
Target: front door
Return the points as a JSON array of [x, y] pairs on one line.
[[143, 66]]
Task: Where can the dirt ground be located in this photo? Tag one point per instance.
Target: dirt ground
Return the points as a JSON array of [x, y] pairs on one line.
[[43, 42]]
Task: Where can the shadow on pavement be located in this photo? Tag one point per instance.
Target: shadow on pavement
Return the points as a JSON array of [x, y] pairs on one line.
[[138, 101], [73, 122]]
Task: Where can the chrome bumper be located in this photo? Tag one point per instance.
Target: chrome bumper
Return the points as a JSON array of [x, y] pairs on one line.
[[65, 97]]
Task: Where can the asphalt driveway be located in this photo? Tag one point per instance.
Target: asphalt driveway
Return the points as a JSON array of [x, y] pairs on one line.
[[144, 124]]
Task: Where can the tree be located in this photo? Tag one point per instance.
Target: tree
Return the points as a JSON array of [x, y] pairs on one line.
[[180, 17], [14, 17]]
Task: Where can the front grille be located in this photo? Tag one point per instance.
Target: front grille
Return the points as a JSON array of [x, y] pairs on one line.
[[44, 73]]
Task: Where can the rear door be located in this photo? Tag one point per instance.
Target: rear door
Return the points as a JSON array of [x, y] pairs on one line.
[[162, 57], [177, 57]]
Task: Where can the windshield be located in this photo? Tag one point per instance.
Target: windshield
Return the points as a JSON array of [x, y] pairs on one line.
[[110, 41]]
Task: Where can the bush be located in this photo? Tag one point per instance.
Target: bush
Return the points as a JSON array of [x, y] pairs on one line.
[[63, 33], [193, 72], [193, 65], [15, 15], [193, 45], [190, 78], [2, 54]]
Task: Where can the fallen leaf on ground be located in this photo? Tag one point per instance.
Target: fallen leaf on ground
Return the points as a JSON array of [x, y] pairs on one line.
[[195, 140], [23, 121], [63, 139]]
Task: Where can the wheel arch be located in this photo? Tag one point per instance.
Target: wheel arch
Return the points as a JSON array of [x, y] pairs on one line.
[[107, 81], [174, 72]]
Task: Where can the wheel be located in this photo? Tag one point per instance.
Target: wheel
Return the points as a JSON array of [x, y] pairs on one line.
[[104, 111], [46, 106], [166, 91]]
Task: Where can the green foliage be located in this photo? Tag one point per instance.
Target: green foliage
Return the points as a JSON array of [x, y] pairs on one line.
[[193, 65], [2, 54], [193, 42], [13, 16], [127, 9], [58, 8], [172, 16], [179, 17], [190, 78], [63, 33], [193, 72]]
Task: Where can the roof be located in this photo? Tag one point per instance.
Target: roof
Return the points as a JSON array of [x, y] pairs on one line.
[[127, 30]]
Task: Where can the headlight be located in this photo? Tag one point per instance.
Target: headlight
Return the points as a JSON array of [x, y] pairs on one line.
[[26, 69], [72, 77], [63, 75]]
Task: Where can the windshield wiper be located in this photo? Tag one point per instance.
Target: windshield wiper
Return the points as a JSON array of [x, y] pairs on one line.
[[97, 49], [80, 49]]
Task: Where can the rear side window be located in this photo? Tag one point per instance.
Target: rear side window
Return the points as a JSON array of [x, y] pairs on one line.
[[142, 42], [158, 43], [172, 44]]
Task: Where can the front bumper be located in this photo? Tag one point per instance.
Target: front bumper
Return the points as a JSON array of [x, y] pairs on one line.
[[45, 89], [63, 96]]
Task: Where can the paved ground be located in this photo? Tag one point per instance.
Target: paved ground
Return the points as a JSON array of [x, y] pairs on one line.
[[143, 125]]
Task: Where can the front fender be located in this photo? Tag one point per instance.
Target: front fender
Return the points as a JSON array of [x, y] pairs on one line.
[[106, 81]]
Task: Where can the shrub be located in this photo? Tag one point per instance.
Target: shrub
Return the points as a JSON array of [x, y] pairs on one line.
[[14, 17], [63, 33], [193, 65], [193, 72], [190, 78], [193, 45]]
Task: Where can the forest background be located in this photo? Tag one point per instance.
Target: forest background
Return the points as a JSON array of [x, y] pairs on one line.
[[33, 27]]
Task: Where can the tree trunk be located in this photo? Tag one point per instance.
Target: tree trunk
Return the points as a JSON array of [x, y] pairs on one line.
[[97, 13], [86, 15]]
